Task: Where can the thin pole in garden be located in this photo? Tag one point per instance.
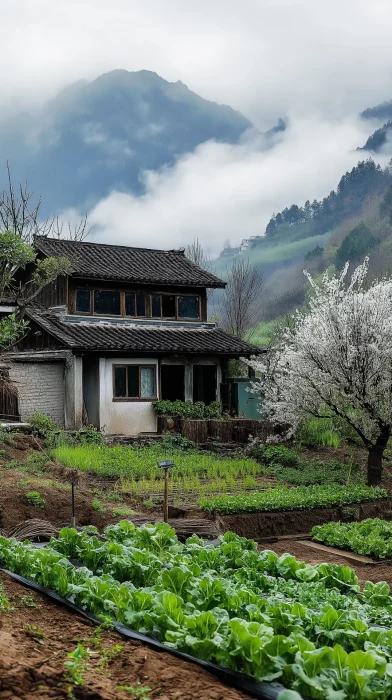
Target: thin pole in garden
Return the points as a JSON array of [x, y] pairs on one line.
[[165, 465], [73, 505]]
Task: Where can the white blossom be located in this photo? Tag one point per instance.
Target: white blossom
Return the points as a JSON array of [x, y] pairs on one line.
[[336, 359]]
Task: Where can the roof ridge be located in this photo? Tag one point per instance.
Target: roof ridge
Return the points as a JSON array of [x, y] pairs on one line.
[[179, 251]]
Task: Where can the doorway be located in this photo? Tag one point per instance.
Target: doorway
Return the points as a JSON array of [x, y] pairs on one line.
[[204, 383], [173, 382]]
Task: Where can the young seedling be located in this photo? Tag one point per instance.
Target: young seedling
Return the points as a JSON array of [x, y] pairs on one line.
[[35, 633], [75, 666], [139, 692]]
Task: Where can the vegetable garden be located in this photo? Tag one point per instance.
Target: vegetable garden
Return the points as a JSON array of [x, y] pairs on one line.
[[371, 537], [230, 605], [196, 473], [300, 498]]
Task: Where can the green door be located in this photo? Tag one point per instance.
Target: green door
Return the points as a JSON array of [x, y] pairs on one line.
[[248, 402]]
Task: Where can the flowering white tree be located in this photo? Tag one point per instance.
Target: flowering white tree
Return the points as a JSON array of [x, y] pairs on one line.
[[336, 360]]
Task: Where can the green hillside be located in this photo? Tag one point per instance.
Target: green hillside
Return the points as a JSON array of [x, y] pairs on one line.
[[352, 221]]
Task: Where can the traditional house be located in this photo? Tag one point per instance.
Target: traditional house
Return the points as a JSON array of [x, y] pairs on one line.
[[125, 327]]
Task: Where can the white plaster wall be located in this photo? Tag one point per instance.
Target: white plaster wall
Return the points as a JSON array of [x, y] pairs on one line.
[[124, 417]]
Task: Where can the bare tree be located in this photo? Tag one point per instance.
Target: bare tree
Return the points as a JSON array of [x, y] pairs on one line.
[[20, 214], [195, 253], [240, 304]]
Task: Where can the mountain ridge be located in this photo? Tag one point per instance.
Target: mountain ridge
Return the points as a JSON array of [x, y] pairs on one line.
[[97, 136]]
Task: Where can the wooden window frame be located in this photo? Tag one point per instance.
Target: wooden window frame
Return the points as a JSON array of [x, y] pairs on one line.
[[148, 304], [84, 313], [176, 317], [135, 399], [188, 318], [106, 315]]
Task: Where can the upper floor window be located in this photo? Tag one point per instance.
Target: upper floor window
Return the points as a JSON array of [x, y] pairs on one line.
[[83, 301], [108, 302], [188, 306], [171, 306]]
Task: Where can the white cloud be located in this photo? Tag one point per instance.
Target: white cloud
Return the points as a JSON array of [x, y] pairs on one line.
[[224, 191], [263, 57]]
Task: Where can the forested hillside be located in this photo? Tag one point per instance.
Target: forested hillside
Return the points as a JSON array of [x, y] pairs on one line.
[[354, 220]]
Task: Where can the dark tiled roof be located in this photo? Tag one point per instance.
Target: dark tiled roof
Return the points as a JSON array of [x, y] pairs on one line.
[[126, 264], [129, 337]]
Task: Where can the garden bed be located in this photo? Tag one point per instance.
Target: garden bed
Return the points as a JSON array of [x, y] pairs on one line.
[[264, 524]]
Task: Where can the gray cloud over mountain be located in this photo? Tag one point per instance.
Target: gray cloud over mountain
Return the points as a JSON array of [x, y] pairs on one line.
[[320, 63], [260, 56]]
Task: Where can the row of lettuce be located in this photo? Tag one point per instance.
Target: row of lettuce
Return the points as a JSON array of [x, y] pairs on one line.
[[299, 498], [372, 537], [274, 618]]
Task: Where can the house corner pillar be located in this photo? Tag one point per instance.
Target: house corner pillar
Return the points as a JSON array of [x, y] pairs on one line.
[[73, 392]]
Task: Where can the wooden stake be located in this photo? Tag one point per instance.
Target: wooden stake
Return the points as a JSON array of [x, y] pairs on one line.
[[73, 505], [166, 498]]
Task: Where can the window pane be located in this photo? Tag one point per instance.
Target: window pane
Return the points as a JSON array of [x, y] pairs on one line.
[[133, 381], [147, 382], [83, 300], [140, 304], [130, 304], [106, 302], [168, 306], [120, 381], [156, 305], [188, 307]]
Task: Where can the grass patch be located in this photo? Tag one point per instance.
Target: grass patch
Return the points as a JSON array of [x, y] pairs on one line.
[[133, 463], [25, 483], [123, 512], [316, 471], [322, 432]]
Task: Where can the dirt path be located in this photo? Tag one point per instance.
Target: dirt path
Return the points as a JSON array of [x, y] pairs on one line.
[[32, 659]]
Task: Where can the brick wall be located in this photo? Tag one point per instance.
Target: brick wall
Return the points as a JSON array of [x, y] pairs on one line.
[[40, 388]]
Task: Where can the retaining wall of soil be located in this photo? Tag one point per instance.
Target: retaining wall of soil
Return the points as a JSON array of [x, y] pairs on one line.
[[291, 522]]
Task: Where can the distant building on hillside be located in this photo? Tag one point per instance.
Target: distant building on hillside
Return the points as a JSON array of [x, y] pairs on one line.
[[249, 242]]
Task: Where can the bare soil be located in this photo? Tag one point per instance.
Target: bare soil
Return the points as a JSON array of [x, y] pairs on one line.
[[32, 660]]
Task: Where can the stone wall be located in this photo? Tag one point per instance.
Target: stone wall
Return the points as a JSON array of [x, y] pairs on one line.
[[40, 387]]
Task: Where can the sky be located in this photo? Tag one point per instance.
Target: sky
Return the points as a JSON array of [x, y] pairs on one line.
[[316, 63]]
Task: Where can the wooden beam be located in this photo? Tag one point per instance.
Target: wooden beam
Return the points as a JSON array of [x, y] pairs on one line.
[[339, 552]]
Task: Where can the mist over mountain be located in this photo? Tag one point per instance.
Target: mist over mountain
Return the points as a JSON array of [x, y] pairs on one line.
[[382, 112], [99, 136]]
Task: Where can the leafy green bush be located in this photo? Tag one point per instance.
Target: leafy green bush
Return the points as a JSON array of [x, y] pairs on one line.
[[42, 425], [98, 506], [88, 435], [317, 471], [279, 454], [300, 498], [185, 409], [178, 442], [34, 498], [371, 537]]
